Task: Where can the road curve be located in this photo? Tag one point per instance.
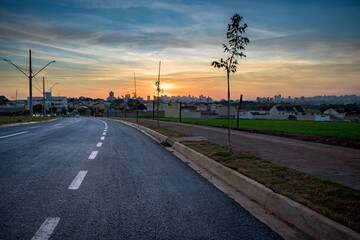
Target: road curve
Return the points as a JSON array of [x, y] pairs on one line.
[[84, 178]]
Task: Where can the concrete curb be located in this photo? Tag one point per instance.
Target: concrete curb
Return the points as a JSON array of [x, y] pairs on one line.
[[305, 219], [25, 123]]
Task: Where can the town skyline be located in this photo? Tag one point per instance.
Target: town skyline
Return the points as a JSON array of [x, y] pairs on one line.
[[332, 99], [98, 46]]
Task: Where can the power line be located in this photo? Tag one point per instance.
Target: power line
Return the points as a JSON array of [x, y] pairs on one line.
[[37, 88], [37, 82], [30, 76]]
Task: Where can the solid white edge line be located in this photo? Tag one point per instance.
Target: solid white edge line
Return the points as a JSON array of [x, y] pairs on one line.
[[102, 138], [46, 229], [93, 155], [78, 180], [99, 144], [11, 135]]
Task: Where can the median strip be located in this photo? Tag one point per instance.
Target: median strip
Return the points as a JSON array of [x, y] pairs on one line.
[[46, 229], [78, 180]]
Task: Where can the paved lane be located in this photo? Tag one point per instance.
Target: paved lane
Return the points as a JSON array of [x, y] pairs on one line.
[[132, 188], [338, 164]]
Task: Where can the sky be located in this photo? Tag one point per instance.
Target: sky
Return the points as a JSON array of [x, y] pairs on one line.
[[297, 48]]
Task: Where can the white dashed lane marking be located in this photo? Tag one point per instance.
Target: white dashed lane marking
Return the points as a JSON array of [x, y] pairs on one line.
[[93, 155], [78, 180], [46, 229], [99, 144], [15, 134], [104, 133], [102, 138]]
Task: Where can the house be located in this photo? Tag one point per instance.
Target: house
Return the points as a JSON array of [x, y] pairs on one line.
[[173, 111], [285, 111], [223, 111], [335, 114], [321, 118], [245, 115]]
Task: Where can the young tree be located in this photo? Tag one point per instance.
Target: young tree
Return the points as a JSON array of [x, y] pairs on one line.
[[236, 43], [158, 90]]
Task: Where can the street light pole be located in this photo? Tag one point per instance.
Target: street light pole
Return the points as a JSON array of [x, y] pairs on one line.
[[44, 110], [30, 76], [51, 98], [30, 85]]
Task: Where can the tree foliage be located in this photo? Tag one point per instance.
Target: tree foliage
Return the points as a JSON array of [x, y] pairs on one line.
[[3, 100], [236, 43]]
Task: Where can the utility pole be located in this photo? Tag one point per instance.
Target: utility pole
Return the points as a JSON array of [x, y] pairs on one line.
[[51, 106], [158, 96], [238, 111], [153, 109], [30, 76], [44, 110], [30, 85], [135, 96], [15, 102]]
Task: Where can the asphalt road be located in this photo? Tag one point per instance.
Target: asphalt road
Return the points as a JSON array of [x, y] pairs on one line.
[[338, 164], [83, 178]]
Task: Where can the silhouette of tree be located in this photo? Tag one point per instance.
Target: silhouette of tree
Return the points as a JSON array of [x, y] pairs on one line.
[[3, 100], [236, 43]]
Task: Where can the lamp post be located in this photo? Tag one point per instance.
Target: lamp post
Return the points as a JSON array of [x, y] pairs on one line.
[[51, 114], [30, 76]]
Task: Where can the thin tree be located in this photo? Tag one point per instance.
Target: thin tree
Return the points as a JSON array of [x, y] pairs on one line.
[[135, 97], [158, 90], [236, 43]]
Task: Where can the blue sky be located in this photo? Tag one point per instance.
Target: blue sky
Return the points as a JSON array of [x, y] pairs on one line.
[[297, 48]]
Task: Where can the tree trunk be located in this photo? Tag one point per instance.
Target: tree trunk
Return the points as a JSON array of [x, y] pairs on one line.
[[229, 124]]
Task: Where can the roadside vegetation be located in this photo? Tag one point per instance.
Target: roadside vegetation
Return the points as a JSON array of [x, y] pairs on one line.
[[331, 199], [165, 131], [20, 119], [347, 130]]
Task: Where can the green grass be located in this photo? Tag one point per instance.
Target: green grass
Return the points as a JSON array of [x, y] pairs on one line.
[[20, 119], [329, 129]]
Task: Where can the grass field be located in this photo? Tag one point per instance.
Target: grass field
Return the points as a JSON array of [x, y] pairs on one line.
[[328, 129], [19, 119]]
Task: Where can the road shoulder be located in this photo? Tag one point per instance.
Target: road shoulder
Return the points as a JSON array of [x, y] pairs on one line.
[[309, 221]]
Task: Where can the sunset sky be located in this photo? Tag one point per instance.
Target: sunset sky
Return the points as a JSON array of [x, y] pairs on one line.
[[297, 48]]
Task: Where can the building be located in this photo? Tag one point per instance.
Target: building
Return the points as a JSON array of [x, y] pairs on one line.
[[335, 114], [173, 111], [60, 103], [223, 111], [127, 96], [111, 96]]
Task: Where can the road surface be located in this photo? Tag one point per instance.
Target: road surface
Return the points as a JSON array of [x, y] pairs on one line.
[[84, 178], [338, 164]]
